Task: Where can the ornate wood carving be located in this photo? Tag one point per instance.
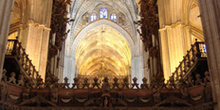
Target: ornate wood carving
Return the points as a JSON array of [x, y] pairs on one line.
[[58, 32], [161, 96], [149, 31], [149, 22]]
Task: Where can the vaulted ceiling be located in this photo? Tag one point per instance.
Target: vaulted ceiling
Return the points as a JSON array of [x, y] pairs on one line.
[[103, 52]]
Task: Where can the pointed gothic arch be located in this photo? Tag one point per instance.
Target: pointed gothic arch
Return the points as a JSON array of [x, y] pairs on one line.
[[105, 22], [136, 59]]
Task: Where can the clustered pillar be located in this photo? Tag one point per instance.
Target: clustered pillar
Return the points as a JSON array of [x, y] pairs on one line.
[[210, 15], [34, 32], [5, 17]]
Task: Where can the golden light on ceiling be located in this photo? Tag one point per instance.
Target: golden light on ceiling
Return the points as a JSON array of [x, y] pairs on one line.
[[103, 52]]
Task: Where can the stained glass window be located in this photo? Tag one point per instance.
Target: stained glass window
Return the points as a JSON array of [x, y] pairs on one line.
[[204, 48], [103, 13], [93, 17], [113, 17]]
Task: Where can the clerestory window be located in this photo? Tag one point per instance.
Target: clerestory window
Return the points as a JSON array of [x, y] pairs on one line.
[[113, 17], [103, 13], [93, 17]]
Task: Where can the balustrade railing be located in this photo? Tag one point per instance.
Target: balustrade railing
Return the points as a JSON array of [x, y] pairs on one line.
[[15, 49], [118, 94], [197, 51]]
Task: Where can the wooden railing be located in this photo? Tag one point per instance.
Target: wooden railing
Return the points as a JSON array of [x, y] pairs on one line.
[[163, 96], [15, 50], [197, 52]]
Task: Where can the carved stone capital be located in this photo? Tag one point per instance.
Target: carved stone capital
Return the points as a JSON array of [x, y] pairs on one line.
[[37, 25]]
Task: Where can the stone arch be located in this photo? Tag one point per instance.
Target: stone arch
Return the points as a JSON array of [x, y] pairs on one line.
[[129, 30], [15, 20], [83, 32], [194, 30], [136, 63], [186, 10], [84, 8]]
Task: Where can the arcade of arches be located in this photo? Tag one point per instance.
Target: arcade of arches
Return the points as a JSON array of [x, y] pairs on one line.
[[77, 41]]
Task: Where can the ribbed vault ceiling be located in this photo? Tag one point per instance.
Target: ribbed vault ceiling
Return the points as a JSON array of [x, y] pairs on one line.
[[103, 52]]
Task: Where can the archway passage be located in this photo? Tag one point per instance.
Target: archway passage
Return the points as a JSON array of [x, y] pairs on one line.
[[103, 52]]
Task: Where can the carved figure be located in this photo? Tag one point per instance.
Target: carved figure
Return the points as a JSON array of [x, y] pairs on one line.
[[12, 78]]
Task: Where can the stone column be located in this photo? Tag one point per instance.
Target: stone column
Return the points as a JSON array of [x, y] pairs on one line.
[[60, 69], [175, 41], [137, 68], [34, 32], [165, 54], [175, 37], [69, 71], [6, 7], [35, 38], [210, 15], [146, 68]]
